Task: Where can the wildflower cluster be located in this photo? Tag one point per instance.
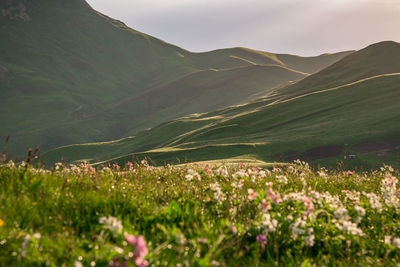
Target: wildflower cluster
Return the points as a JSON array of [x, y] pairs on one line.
[[200, 215]]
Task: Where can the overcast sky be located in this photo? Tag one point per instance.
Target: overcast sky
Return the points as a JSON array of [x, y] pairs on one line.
[[303, 27]]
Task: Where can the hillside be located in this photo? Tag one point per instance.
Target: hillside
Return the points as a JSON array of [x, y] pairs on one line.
[[376, 59], [359, 118], [69, 74]]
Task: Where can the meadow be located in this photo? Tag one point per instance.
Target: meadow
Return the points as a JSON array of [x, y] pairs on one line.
[[198, 215]]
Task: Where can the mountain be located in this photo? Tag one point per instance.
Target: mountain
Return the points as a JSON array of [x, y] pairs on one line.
[[322, 124], [376, 59], [69, 74]]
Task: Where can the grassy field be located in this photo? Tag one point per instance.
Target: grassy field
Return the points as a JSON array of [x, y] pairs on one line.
[[206, 214], [69, 74], [323, 126]]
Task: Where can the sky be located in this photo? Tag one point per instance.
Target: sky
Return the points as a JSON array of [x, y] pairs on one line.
[[302, 27]]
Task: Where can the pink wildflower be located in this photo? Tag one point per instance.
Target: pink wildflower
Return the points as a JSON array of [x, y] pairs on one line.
[[202, 240], [208, 171], [265, 205], [129, 165], [131, 239], [252, 194], [309, 205], [262, 239], [275, 197], [140, 249]]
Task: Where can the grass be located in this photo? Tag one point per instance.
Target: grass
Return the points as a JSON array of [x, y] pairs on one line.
[[76, 76], [198, 215]]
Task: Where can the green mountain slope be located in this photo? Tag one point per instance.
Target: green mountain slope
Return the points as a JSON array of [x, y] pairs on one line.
[[359, 118], [199, 92], [69, 74], [373, 60]]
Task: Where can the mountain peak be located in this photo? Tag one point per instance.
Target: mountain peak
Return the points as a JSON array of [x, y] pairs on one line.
[[385, 47]]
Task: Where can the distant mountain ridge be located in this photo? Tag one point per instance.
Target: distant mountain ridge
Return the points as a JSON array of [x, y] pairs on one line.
[[69, 74]]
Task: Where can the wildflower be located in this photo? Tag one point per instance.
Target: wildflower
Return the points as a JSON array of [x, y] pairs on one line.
[[37, 235], [262, 174], [1, 222], [281, 179], [289, 218], [265, 205], [374, 201], [202, 240], [262, 239], [309, 239], [222, 171], [360, 212], [238, 184], [252, 194], [396, 242], [112, 224], [129, 166], [275, 197], [140, 249], [25, 245], [309, 205], [240, 174], [349, 227], [208, 171], [268, 224], [323, 175], [191, 175], [298, 228], [218, 194], [341, 213]]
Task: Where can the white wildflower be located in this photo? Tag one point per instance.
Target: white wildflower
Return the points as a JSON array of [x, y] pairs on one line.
[[191, 174], [396, 242], [349, 227], [281, 179], [37, 235], [268, 224], [341, 213], [388, 239], [222, 170], [310, 238], [374, 201], [298, 228], [240, 174], [111, 223]]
